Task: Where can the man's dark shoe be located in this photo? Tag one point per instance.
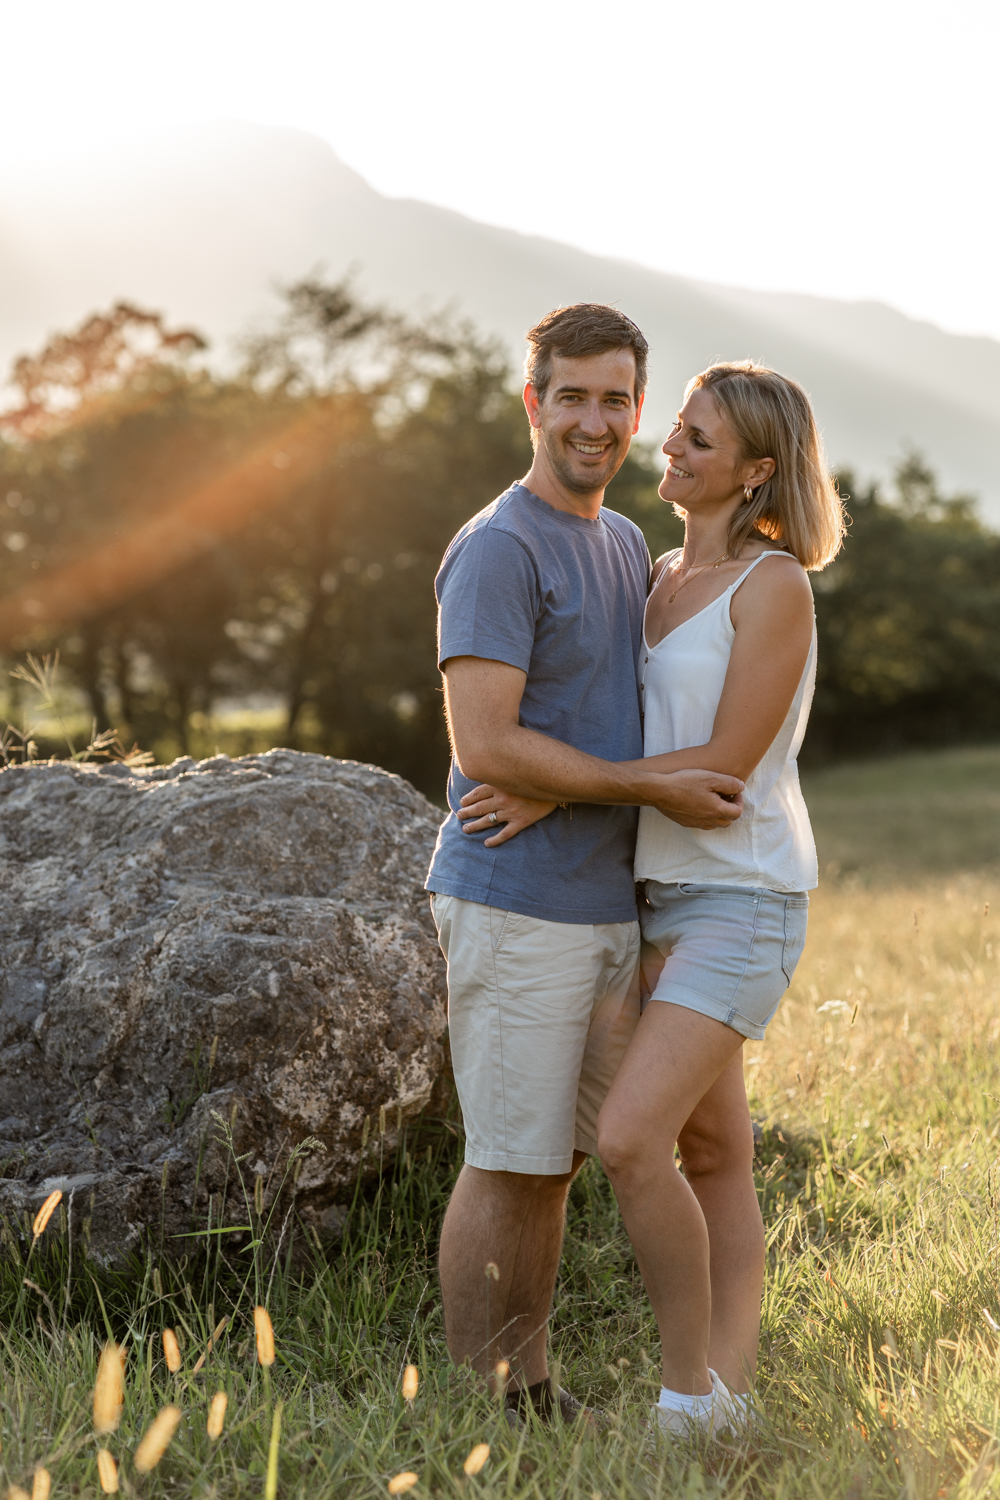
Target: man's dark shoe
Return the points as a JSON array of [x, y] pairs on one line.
[[548, 1405]]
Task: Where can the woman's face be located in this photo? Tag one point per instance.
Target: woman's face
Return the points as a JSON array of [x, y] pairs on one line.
[[705, 469]]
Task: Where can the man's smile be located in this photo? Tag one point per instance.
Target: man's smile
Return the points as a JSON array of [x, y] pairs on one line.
[[591, 449]]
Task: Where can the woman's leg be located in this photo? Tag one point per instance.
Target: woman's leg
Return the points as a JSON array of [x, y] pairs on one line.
[[716, 1147], [672, 1062]]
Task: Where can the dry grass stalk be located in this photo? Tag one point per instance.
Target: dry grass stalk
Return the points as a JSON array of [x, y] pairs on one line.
[[219, 1331], [41, 1485], [107, 1471], [402, 1482], [109, 1390], [477, 1458], [217, 1415], [157, 1439], [45, 1213], [265, 1335], [171, 1350], [411, 1379]]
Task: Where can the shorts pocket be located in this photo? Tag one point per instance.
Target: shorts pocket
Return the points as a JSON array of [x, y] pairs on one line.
[[796, 922]]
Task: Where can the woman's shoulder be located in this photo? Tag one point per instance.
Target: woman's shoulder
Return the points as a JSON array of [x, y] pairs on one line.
[[664, 561], [784, 580]]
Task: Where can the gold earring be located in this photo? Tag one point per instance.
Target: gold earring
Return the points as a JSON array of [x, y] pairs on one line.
[[747, 494]]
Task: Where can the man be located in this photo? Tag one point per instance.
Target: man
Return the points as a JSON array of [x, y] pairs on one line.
[[541, 600]]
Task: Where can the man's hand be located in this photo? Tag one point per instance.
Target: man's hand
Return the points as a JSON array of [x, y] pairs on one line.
[[698, 799]]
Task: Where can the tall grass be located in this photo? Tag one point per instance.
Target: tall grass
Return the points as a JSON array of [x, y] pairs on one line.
[[879, 1178]]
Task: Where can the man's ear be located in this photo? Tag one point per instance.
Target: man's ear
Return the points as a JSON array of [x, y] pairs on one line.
[[532, 404], [638, 413]]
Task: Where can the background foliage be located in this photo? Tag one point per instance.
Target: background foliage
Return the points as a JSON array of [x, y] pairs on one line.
[[227, 560]]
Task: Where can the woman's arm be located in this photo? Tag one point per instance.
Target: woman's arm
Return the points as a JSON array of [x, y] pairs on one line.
[[772, 613]]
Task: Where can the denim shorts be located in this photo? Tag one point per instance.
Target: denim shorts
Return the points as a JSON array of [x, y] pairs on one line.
[[727, 951]]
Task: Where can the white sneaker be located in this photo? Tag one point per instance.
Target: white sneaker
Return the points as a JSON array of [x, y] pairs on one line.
[[720, 1411]]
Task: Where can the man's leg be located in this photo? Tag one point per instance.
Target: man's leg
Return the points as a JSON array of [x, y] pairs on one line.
[[512, 1221]]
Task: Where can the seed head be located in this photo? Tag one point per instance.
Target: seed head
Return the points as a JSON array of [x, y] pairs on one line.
[[402, 1482], [45, 1213], [41, 1485], [411, 1380], [477, 1458], [502, 1372], [107, 1471], [265, 1336], [217, 1415], [109, 1392], [171, 1350], [15, 1492], [157, 1438], [492, 1270], [220, 1329]]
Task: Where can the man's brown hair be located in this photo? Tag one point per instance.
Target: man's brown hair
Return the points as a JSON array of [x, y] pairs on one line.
[[577, 331]]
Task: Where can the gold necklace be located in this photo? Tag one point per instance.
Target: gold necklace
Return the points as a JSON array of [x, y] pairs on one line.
[[693, 572]]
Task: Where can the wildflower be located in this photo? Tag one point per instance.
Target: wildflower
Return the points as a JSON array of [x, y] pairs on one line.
[[157, 1438], [108, 1471], [41, 1485], [217, 1415], [109, 1392], [171, 1350], [477, 1458], [45, 1213], [265, 1336], [411, 1380], [402, 1482]]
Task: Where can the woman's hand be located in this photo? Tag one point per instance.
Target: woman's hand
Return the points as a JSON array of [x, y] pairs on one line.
[[513, 812]]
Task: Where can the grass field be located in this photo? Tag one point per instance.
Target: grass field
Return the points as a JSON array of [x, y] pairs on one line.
[[880, 1183]]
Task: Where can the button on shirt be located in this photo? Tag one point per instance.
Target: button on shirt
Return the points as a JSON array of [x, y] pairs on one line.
[[561, 597]]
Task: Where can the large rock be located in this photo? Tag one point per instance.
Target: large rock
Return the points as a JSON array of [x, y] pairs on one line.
[[248, 938]]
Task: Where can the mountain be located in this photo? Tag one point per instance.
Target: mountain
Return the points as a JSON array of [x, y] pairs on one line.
[[210, 221]]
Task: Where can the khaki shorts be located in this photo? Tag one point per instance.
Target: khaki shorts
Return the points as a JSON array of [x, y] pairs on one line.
[[539, 1015]]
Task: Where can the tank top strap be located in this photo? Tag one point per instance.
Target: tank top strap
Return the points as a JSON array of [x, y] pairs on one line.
[[747, 571]]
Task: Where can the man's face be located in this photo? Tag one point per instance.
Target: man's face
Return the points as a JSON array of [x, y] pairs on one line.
[[587, 418]]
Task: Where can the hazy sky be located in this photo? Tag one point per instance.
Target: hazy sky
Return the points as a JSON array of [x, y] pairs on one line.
[[848, 149]]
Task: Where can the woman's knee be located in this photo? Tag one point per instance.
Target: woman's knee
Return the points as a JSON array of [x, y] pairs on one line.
[[707, 1150], [621, 1144]]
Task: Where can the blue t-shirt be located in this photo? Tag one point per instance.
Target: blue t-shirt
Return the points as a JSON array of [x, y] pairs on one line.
[[562, 598]]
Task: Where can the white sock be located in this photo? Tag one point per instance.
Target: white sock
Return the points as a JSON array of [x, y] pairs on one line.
[[692, 1406]]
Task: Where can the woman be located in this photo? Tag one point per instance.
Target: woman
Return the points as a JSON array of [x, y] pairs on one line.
[[726, 676]]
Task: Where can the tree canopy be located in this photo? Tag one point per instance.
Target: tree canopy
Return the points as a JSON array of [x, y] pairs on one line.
[[186, 538]]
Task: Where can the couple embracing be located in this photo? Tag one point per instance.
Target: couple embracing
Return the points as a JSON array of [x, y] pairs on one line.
[[625, 734]]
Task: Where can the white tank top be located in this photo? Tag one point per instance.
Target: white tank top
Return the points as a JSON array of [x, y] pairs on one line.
[[771, 845]]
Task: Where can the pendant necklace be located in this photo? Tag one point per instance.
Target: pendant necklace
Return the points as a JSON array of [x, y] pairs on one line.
[[692, 573]]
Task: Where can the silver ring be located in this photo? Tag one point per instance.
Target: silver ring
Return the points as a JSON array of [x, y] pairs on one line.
[[491, 817]]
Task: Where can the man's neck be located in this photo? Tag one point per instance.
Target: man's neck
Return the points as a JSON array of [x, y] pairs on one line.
[[541, 481]]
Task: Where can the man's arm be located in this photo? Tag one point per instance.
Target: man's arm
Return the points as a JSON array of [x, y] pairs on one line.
[[482, 702]]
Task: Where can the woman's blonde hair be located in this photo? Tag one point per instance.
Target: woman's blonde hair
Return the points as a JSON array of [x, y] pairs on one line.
[[772, 417]]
